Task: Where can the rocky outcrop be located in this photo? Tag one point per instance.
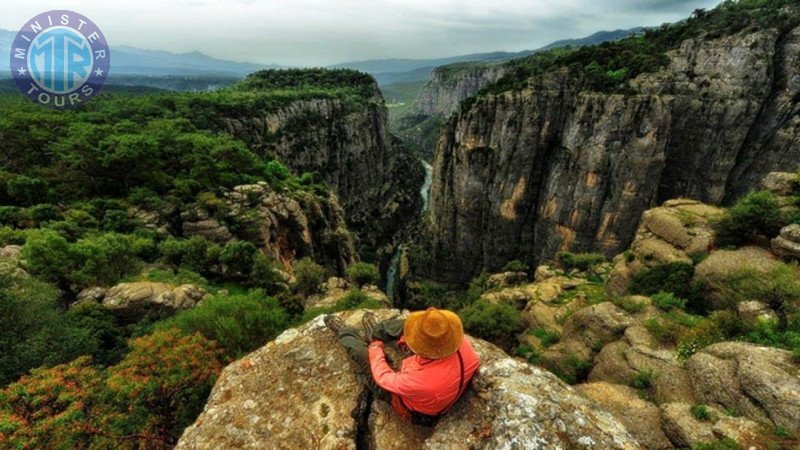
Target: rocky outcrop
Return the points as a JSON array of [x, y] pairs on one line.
[[527, 173], [642, 418], [758, 382], [451, 84], [134, 300], [299, 392], [336, 288], [347, 143], [290, 227], [787, 244], [674, 232]]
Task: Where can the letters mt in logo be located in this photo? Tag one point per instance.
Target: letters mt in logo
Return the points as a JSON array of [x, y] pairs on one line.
[[60, 59]]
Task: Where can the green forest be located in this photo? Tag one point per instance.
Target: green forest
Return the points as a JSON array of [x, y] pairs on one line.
[[71, 185]]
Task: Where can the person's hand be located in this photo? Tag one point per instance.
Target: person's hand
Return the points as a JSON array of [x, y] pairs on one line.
[[401, 343], [376, 344]]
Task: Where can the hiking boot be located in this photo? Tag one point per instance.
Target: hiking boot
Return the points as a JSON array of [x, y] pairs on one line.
[[333, 323], [369, 322]]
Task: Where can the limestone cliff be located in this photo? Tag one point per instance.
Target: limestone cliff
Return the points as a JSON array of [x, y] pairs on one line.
[[450, 85], [346, 141], [528, 172], [299, 392]]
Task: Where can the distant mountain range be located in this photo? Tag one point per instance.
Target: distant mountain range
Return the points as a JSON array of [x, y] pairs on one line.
[[127, 60], [390, 71], [131, 65]]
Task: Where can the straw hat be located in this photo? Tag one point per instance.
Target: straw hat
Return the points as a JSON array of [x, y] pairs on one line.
[[433, 334]]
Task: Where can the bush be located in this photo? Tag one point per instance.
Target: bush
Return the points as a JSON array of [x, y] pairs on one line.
[[196, 254], [643, 379], [546, 337], [57, 408], [163, 383], [354, 299], [780, 287], [237, 258], [667, 301], [308, 276], [497, 323], [264, 274], [580, 261], [238, 323], [675, 277], [515, 266], [34, 331], [701, 412], [756, 216], [26, 190], [362, 273]]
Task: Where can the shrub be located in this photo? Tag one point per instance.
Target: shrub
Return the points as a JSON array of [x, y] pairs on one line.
[[163, 383], [780, 287], [196, 253], [497, 323], [238, 323], [362, 273], [264, 274], [546, 337], [580, 261], [34, 331], [354, 299], [667, 300], [43, 212], [701, 412], [629, 305], [477, 287], [643, 379], [756, 215], [515, 266], [723, 444], [308, 276], [26, 190], [53, 408], [675, 277], [237, 258]]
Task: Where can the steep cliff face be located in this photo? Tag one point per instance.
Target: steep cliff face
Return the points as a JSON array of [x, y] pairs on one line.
[[450, 85], [346, 141], [527, 173]]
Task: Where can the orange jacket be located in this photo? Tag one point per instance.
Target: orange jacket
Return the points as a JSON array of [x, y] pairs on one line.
[[428, 386]]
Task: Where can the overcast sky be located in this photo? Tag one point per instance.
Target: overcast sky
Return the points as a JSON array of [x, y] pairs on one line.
[[322, 32]]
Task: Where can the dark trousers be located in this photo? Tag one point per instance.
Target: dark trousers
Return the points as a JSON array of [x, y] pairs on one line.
[[350, 339]]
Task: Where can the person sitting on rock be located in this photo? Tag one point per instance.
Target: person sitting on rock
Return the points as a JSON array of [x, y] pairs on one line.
[[431, 380]]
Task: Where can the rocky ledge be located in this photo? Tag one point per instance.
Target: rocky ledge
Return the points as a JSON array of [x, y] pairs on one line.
[[299, 392]]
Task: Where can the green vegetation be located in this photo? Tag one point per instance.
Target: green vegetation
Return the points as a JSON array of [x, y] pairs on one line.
[[673, 277], [701, 412], [515, 266], [100, 195], [609, 66], [667, 301], [237, 323], [579, 261], [643, 379], [308, 276], [723, 444], [362, 273], [496, 323], [145, 401], [757, 216]]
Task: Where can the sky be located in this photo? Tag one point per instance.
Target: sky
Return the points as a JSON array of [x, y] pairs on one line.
[[324, 32]]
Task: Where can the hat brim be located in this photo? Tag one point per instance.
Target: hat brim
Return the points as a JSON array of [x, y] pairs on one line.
[[420, 344]]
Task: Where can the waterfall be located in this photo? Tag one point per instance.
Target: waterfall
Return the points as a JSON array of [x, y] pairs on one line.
[[424, 192]]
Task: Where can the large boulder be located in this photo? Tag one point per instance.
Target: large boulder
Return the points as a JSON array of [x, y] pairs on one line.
[[133, 300], [673, 232], [642, 418], [787, 244], [762, 383], [299, 392], [584, 333], [336, 288], [715, 271]]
